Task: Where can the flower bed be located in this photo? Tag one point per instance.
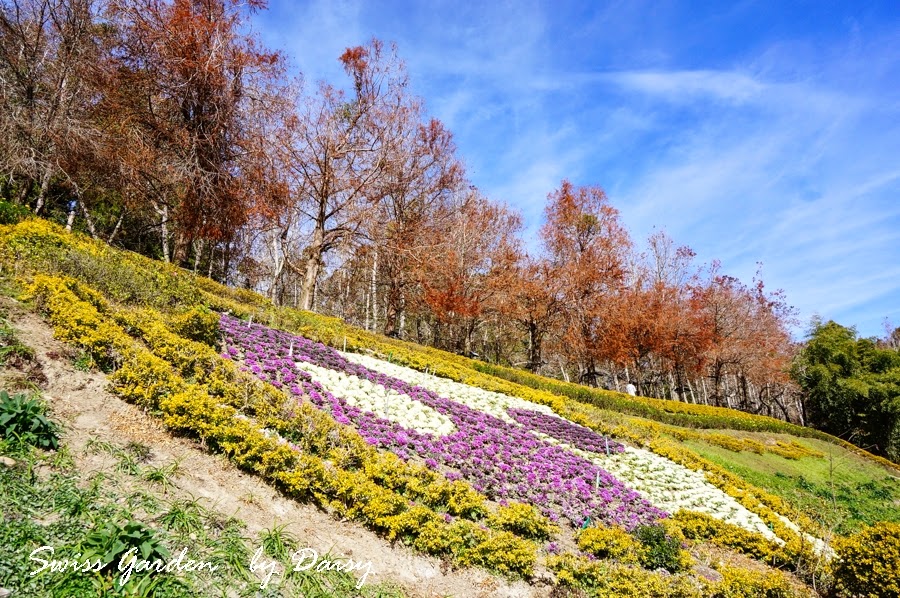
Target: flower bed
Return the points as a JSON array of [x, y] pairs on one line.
[[673, 487], [663, 483], [363, 492], [502, 459]]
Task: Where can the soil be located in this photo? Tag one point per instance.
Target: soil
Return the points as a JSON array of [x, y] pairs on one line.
[[80, 401]]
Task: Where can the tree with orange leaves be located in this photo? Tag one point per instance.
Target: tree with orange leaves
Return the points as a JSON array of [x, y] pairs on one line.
[[466, 276], [587, 248], [180, 86], [749, 342]]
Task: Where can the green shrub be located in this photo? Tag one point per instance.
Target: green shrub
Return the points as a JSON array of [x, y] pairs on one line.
[[660, 550], [11, 213], [22, 418]]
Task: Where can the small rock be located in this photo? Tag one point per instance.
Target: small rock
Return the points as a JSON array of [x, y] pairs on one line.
[[708, 572], [4, 592], [6, 461]]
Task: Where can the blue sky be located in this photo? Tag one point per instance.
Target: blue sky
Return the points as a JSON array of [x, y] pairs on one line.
[[753, 132]]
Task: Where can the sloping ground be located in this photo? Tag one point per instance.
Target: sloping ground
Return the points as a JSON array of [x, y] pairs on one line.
[[292, 419], [92, 416]]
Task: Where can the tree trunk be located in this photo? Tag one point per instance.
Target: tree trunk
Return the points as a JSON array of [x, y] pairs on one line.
[[534, 347], [88, 219], [198, 249], [163, 229], [276, 249], [70, 219], [116, 228], [311, 268], [396, 302], [373, 290], [42, 194]]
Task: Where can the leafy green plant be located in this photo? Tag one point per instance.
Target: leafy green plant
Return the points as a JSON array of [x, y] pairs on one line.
[[277, 542], [11, 213], [24, 418], [83, 362], [111, 542], [184, 516]]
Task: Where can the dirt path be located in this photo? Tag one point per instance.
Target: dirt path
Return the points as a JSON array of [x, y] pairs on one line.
[[81, 402]]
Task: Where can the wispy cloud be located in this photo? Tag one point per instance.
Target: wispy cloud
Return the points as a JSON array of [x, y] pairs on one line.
[[684, 86]]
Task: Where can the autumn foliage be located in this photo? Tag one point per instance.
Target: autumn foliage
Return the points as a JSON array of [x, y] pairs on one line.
[[163, 126]]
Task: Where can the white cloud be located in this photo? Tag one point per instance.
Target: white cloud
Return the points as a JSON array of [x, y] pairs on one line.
[[687, 85]]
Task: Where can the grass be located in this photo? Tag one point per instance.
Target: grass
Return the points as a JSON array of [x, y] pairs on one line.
[[49, 502], [10, 347], [843, 491], [162, 475]]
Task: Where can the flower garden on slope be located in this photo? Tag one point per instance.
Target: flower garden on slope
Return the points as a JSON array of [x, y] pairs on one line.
[[506, 447], [502, 459], [331, 465], [665, 484]]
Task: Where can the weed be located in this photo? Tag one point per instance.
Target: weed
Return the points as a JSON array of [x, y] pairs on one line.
[[22, 419], [163, 474], [277, 542], [230, 550], [140, 451], [11, 350], [83, 362], [184, 516]]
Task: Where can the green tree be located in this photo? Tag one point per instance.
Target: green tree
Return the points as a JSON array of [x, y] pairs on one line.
[[851, 387]]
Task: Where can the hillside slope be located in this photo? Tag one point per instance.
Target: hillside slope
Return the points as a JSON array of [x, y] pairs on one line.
[[530, 478]]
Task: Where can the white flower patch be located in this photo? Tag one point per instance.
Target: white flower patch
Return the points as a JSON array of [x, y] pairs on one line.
[[819, 546], [664, 483], [386, 403], [672, 487], [493, 403]]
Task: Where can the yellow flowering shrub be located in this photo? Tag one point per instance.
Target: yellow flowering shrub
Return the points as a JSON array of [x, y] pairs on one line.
[[408, 525], [504, 553], [458, 496], [524, 520], [75, 321], [199, 324], [305, 481], [701, 527], [439, 539], [610, 543], [144, 379], [744, 583], [867, 564], [608, 579]]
